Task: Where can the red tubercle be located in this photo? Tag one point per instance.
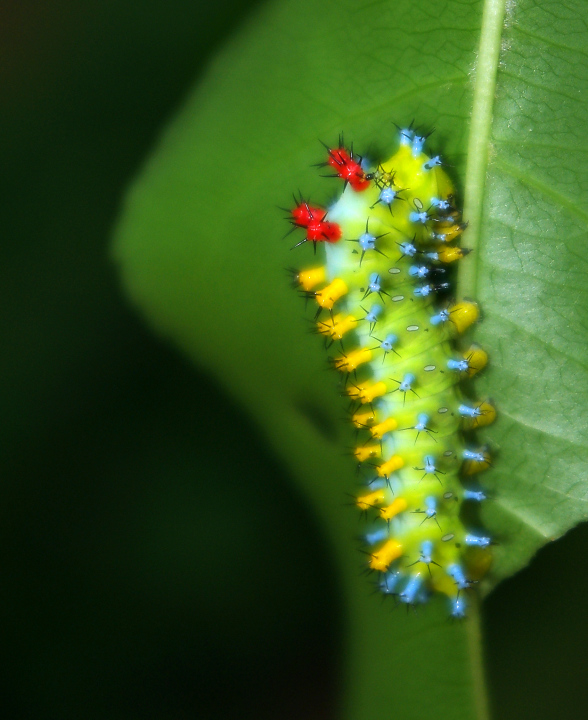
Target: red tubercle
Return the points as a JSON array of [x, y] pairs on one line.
[[323, 231], [312, 218], [348, 169], [339, 158], [304, 214]]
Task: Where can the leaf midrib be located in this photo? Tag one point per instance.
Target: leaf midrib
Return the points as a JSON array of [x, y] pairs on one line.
[[479, 138], [477, 163]]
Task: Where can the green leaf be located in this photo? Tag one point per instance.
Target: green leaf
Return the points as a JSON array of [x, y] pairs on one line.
[[201, 254]]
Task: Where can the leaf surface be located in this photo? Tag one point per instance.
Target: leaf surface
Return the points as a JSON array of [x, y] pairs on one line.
[[201, 253]]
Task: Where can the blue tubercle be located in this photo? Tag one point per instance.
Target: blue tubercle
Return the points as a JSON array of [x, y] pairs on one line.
[[418, 143], [432, 162], [411, 589], [440, 317], [418, 217], [422, 420], [458, 365], [406, 136], [387, 196], [424, 290], [419, 271], [456, 572], [475, 495], [472, 455], [477, 541], [389, 582], [408, 249], [467, 411], [373, 315], [377, 536], [388, 343], [440, 203], [458, 607], [426, 552], [374, 284], [431, 505], [367, 241], [406, 384]]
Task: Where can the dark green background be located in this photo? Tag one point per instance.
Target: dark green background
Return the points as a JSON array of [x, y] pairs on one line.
[[156, 562]]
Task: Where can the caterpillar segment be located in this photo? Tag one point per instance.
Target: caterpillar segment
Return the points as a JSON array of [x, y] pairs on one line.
[[383, 301]]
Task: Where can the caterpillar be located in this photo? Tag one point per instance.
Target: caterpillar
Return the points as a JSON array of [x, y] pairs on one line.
[[383, 306]]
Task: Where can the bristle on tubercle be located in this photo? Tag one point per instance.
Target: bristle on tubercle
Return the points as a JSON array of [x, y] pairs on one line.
[[383, 302]]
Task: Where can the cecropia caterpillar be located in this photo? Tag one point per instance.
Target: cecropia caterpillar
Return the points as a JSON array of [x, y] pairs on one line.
[[384, 308]]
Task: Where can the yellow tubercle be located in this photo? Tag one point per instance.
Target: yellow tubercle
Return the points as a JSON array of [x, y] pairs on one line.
[[366, 451], [473, 466], [367, 501], [451, 233], [378, 431], [386, 555], [390, 466], [311, 277], [486, 417], [477, 359], [450, 254], [449, 220], [367, 392], [329, 295], [477, 561], [399, 505], [351, 362], [463, 314], [338, 326], [363, 419]]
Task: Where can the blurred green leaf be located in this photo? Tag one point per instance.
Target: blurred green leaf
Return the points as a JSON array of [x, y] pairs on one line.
[[200, 252]]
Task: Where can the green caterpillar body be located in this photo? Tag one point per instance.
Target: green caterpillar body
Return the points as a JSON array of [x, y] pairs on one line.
[[389, 244]]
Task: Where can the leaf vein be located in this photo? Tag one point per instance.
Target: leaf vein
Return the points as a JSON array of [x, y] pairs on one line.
[[528, 181]]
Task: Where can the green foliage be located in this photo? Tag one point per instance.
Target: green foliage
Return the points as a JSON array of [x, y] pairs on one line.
[[531, 271], [200, 251]]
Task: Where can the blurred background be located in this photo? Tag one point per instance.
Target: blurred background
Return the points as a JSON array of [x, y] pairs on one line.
[[114, 484]]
